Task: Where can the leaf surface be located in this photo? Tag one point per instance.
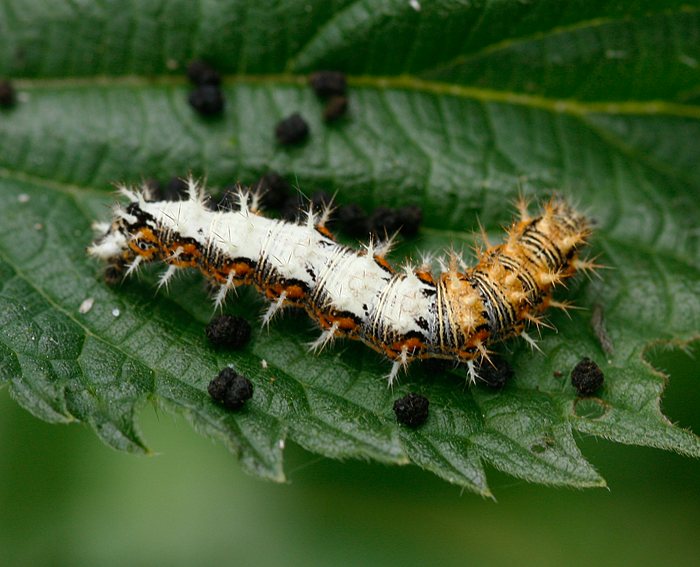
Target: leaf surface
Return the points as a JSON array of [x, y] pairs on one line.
[[456, 107]]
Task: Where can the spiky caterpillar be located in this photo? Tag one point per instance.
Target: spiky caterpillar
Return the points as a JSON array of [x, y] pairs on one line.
[[404, 314]]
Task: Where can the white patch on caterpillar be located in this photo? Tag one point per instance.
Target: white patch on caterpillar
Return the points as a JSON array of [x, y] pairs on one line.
[[404, 314]]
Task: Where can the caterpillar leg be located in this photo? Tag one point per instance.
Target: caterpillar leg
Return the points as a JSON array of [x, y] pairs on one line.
[[399, 363], [529, 340], [395, 367], [472, 374], [133, 266], [324, 338], [275, 306], [166, 276], [223, 290]]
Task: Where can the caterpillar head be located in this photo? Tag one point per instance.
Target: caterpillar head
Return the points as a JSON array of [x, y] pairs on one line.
[[131, 235]]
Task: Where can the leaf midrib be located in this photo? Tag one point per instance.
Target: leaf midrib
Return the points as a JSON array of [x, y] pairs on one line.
[[410, 83]]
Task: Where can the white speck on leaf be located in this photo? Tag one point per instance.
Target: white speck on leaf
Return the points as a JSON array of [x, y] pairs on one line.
[[116, 312], [86, 305], [23, 198], [415, 4]]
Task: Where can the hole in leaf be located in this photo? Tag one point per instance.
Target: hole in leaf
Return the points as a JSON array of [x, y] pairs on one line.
[[590, 408]]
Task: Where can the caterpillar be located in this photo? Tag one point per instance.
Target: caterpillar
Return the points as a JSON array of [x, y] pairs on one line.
[[405, 314]]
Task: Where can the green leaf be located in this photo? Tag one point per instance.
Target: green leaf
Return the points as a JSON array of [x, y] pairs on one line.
[[456, 107]]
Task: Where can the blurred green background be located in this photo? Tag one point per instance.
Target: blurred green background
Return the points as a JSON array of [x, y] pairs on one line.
[[66, 499]]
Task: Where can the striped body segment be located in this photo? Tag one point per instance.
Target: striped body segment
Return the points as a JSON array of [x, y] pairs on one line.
[[404, 314]]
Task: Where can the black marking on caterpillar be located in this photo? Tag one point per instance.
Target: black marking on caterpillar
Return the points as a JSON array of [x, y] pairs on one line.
[[404, 314]]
